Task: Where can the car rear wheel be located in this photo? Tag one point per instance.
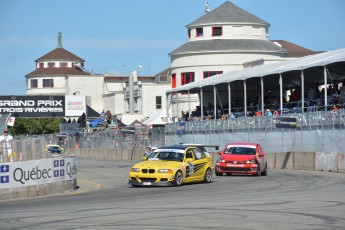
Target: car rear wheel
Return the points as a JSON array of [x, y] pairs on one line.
[[208, 176], [178, 178], [217, 173], [264, 173]]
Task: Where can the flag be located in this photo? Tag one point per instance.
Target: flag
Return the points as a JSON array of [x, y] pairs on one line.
[[11, 121]]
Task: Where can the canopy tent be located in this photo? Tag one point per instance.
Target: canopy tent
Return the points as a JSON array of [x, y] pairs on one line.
[[318, 69], [335, 59]]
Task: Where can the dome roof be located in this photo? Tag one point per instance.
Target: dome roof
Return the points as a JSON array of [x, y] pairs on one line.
[[228, 13]]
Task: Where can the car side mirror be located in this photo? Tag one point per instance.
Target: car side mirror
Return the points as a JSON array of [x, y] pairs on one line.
[[143, 158], [220, 152], [189, 160]]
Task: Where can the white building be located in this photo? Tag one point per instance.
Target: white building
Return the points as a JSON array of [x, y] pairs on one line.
[[225, 39], [60, 72]]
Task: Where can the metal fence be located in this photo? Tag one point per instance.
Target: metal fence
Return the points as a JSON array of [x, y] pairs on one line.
[[305, 121], [34, 147], [315, 132]]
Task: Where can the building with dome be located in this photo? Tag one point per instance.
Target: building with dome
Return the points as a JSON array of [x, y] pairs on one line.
[[225, 39]]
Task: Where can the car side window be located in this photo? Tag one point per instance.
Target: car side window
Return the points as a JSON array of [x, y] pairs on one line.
[[189, 154], [198, 154]]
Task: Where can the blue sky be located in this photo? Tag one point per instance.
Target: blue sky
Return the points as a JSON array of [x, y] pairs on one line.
[[115, 36]]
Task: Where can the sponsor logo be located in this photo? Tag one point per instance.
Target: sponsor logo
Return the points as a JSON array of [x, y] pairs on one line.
[[59, 164], [36, 173], [4, 169]]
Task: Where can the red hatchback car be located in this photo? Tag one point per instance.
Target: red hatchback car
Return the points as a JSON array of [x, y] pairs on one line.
[[242, 158]]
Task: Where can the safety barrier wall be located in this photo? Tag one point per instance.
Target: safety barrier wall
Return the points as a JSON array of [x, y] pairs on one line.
[[318, 161], [37, 177]]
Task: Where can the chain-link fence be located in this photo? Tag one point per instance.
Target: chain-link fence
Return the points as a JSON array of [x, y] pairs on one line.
[[306, 121], [34, 147], [314, 132]]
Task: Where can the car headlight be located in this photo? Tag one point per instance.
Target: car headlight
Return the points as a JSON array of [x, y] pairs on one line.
[[165, 171], [135, 169], [221, 160], [251, 161]]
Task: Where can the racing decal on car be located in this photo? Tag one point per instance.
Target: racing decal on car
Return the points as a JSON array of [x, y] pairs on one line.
[[193, 168]]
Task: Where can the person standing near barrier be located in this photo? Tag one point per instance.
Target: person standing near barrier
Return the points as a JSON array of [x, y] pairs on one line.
[[148, 151], [6, 146]]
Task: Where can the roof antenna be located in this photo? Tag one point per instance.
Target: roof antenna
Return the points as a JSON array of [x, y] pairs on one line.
[[59, 40], [207, 9]]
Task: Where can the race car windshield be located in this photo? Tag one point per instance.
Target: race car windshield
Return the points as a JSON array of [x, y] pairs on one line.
[[166, 156], [240, 151]]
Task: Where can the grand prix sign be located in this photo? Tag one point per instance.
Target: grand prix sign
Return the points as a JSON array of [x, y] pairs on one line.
[[43, 106]]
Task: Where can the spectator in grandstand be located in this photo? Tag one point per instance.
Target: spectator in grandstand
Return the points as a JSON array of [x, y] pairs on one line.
[[335, 108], [108, 117], [276, 113], [331, 91], [268, 113], [232, 116], [225, 116], [311, 96], [342, 89], [258, 114], [102, 114], [295, 95]]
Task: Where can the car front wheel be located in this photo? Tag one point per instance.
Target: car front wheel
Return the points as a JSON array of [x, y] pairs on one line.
[[264, 173], [178, 178], [217, 173], [208, 176], [258, 170]]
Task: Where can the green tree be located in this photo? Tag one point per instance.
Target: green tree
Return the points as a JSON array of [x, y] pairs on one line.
[[35, 126]]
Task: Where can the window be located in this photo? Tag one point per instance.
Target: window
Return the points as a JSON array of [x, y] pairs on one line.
[[217, 31], [158, 102], [198, 154], [47, 83], [51, 64], [33, 83], [187, 78], [199, 32], [189, 33], [173, 80], [41, 65], [63, 64], [211, 73]]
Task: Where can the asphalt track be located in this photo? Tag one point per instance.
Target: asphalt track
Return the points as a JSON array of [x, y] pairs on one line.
[[282, 200]]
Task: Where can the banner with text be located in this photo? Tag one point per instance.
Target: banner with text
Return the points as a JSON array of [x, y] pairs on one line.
[[43, 106]]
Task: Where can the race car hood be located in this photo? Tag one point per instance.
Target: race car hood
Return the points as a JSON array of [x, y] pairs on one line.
[[234, 157], [157, 164]]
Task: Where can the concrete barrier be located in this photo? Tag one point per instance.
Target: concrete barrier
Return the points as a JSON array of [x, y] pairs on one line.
[[37, 177], [334, 162], [341, 162], [271, 160], [303, 161], [284, 160], [326, 162]]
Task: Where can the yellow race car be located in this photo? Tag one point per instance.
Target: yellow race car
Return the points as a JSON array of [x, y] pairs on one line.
[[172, 166]]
